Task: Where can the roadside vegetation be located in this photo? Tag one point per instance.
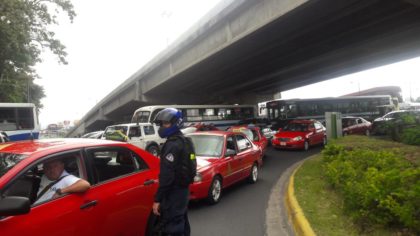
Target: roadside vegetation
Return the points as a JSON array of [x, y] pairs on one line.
[[405, 130], [362, 186]]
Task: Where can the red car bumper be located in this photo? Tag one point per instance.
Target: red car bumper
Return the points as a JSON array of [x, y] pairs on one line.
[[288, 145], [199, 190]]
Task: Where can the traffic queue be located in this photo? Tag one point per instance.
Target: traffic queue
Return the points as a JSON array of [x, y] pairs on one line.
[[113, 184], [117, 175]]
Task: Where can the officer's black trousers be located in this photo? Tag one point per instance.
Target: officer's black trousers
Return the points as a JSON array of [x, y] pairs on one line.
[[174, 208]]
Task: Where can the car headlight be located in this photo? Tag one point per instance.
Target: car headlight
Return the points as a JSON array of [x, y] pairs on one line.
[[198, 177], [298, 138]]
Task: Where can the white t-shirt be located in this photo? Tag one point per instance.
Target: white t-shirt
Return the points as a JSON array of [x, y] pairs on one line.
[[64, 182]]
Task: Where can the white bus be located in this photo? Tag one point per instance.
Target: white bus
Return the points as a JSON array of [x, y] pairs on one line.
[[19, 121], [221, 116]]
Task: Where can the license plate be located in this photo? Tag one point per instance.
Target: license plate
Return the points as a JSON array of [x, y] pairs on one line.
[[282, 143]]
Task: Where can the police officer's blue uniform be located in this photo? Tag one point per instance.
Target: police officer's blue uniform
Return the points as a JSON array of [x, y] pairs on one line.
[[173, 196], [173, 191]]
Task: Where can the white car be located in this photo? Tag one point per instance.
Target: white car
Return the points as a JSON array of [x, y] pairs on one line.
[[142, 135]]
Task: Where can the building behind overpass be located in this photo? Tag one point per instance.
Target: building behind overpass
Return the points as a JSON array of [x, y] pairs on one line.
[[393, 91]]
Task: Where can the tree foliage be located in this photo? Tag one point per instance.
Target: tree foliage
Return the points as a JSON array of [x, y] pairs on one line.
[[24, 34]]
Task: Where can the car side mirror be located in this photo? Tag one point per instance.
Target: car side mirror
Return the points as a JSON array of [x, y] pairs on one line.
[[11, 206], [230, 152]]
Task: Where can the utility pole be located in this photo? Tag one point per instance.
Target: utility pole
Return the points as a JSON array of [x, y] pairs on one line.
[[27, 93]]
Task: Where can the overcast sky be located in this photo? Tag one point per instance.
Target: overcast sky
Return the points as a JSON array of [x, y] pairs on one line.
[[110, 40]]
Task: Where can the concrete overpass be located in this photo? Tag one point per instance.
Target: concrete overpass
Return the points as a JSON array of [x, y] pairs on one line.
[[244, 51]]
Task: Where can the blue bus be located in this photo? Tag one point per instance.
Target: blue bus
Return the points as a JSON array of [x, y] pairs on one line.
[[19, 121]]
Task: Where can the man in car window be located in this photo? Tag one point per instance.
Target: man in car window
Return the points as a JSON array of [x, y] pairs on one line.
[[56, 181]]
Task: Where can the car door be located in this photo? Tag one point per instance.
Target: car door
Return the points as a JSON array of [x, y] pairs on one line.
[[122, 192], [319, 135], [231, 165], [60, 216], [314, 136], [262, 139], [245, 155]]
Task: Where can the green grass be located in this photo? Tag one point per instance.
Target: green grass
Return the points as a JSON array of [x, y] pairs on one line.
[[410, 152], [323, 207]]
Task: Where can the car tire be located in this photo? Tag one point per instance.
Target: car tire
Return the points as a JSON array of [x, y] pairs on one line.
[[253, 175], [367, 132], [215, 191], [153, 149], [306, 145]]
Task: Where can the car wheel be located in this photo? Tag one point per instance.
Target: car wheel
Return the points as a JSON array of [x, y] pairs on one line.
[[306, 145], [215, 191], [324, 141], [367, 132], [153, 149], [253, 176]]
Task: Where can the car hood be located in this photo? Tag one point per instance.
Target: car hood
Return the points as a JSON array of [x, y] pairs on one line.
[[290, 134], [203, 162]]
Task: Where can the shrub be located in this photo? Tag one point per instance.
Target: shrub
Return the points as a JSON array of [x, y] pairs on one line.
[[404, 129], [411, 136], [378, 187]]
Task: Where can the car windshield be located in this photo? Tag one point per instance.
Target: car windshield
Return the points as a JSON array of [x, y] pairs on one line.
[[8, 161], [118, 133], [298, 127], [207, 145]]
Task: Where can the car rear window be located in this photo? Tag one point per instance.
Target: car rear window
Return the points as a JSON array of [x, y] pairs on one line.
[[249, 133], [8, 161]]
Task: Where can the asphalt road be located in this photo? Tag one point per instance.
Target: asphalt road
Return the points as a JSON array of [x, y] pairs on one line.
[[242, 208]]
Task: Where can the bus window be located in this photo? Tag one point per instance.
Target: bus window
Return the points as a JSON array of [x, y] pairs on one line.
[[8, 119], [26, 118], [209, 112], [141, 117]]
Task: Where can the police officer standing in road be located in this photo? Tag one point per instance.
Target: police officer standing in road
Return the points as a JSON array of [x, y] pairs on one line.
[[177, 171]]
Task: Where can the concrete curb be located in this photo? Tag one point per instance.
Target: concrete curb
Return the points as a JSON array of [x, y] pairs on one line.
[[300, 223], [277, 220]]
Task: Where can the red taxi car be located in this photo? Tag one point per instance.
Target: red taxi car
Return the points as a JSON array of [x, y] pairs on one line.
[[123, 182], [300, 134], [356, 125], [223, 158], [253, 133]]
